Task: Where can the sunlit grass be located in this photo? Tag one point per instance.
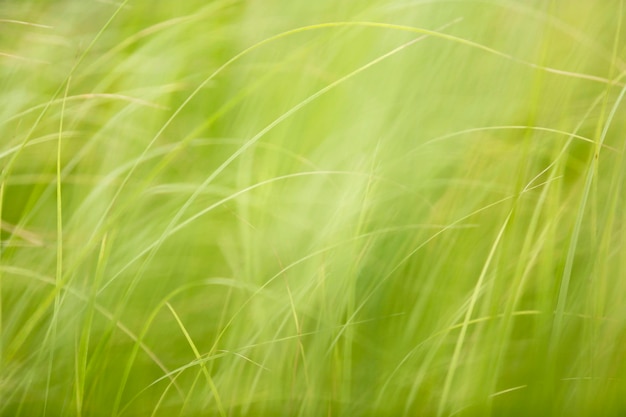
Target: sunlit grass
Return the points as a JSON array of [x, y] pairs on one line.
[[320, 208]]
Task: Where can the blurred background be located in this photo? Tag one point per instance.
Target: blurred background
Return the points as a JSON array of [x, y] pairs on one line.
[[265, 208]]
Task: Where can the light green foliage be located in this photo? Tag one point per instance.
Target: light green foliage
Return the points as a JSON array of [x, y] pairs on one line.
[[312, 208]]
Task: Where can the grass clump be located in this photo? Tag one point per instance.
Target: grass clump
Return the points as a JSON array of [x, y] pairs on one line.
[[237, 208]]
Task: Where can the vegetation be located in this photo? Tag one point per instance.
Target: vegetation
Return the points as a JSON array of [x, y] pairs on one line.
[[294, 208]]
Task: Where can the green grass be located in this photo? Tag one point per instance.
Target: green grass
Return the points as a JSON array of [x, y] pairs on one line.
[[273, 208]]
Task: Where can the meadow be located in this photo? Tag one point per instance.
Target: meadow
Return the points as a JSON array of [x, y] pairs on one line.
[[312, 208]]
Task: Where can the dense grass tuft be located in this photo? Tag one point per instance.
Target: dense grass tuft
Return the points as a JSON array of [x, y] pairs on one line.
[[273, 208]]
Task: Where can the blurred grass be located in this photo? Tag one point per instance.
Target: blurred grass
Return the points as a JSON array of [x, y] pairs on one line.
[[379, 208]]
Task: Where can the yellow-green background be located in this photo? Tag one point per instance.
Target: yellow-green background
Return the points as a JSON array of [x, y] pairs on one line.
[[312, 208]]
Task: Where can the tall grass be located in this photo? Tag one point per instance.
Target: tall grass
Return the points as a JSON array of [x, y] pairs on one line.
[[240, 208]]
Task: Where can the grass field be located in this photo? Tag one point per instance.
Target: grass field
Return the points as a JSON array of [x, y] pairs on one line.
[[324, 208]]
